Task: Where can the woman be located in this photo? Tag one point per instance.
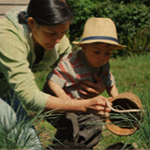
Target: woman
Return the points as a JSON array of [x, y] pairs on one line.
[[33, 38]]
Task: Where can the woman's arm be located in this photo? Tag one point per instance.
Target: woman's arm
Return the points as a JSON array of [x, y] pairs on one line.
[[93, 105], [15, 67]]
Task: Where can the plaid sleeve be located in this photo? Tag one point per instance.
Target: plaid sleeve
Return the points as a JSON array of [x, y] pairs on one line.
[[55, 76], [107, 76], [63, 74]]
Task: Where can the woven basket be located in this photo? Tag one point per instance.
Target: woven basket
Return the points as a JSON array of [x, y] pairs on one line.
[[125, 123]]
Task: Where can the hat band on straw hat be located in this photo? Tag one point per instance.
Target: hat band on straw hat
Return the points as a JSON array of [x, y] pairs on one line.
[[99, 38]]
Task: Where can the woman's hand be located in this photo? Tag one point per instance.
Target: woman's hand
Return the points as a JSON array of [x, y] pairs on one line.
[[89, 89], [98, 105]]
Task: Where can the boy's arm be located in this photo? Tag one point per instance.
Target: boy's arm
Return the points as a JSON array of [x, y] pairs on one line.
[[112, 91], [57, 90]]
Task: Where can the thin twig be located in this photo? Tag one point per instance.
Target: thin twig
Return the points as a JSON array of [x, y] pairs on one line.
[[122, 111]]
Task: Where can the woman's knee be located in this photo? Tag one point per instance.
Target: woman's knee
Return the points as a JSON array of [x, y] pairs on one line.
[[7, 115]]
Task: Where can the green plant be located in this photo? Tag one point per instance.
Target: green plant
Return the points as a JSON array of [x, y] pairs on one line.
[[130, 18], [82, 10], [144, 132], [19, 136], [19, 133], [139, 44]]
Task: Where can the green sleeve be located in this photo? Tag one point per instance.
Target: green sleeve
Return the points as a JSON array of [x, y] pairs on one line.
[[17, 74]]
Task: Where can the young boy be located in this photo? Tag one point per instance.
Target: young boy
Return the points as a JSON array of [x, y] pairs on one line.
[[98, 41]]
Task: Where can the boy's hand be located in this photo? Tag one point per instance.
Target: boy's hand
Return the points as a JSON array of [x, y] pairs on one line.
[[89, 89]]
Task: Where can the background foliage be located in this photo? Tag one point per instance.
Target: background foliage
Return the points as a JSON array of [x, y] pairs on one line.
[[128, 17]]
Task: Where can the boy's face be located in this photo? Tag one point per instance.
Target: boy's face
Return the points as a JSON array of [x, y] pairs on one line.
[[97, 54]]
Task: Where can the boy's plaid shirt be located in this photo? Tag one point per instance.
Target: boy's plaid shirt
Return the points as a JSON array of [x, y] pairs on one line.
[[73, 69]]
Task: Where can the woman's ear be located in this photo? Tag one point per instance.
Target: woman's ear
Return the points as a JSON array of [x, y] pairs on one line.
[[31, 22]]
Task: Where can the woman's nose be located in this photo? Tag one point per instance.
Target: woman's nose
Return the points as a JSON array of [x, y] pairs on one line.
[[57, 38]]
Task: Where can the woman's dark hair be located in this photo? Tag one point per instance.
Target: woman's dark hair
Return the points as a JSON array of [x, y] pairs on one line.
[[47, 12]]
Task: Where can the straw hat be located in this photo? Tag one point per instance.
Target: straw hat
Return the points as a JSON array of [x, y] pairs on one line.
[[100, 30]]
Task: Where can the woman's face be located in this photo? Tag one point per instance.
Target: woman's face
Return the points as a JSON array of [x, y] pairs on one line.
[[47, 36]]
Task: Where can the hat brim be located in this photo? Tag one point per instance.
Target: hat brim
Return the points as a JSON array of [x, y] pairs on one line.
[[117, 46]]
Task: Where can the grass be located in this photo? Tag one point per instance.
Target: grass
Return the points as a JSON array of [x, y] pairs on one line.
[[132, 74], [20, 135]]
